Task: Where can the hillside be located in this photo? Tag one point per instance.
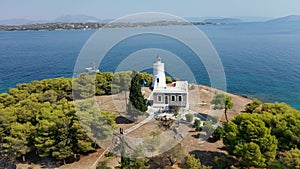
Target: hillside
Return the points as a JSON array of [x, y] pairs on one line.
[[286, 19], [40, 127]]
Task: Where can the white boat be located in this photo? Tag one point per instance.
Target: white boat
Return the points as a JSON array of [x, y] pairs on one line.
[[92, 69]]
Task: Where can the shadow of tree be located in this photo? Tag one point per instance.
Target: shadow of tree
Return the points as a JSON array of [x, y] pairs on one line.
[[211, 140], [217, 160], [46, 162], [123, 120], [196, 135]]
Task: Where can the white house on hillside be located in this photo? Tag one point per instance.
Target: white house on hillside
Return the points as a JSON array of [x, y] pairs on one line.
[[165, 95]]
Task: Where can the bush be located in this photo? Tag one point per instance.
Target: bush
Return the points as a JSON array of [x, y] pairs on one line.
[[197, 125], [208, 128], [192, 87], [103, 166], [189, 117], [218, 133], [214, 119]]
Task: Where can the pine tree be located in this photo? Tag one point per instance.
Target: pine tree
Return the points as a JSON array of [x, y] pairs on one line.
[[222, 101], [18, 140], [137, 105]]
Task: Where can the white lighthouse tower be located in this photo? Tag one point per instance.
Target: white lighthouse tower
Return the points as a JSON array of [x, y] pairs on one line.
[[159, 77]]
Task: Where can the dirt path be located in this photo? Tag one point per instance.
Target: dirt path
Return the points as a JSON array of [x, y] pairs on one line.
[[199, 97]]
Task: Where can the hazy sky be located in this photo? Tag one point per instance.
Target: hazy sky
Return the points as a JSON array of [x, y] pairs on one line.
[[110, 9]]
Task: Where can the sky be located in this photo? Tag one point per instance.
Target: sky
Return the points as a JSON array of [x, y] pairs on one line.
[[111, 9]]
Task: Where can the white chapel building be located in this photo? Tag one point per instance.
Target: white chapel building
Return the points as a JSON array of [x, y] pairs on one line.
[[164, 96]]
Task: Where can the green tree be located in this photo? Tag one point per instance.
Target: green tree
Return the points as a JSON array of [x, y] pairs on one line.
[[19, 138], [277, 108], [7, 99], [222, 101], [137, 105], [81, 141], [218, 133], [208, 128], [54, 131], [214, 119], [197, 124], [289, 160], [39, 117], [26, 110], [194, 163], [174, 109], [44, 141], [228, 105], [18, 94], [84, 86], [284, 122], [63, 143], [146, 77], [134, 163], [7, 117], [49, 96], [102, 166], [98, 124], [223, 161], [121, 82], [245, 129], [189, 117], [251, 107], [250, 155], [104, 83]]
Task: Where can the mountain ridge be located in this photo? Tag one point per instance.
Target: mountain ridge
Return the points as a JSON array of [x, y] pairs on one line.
[[63, 18], [85, 19], [289, 18]]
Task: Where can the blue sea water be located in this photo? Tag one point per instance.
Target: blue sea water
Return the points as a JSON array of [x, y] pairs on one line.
[[260, 59]]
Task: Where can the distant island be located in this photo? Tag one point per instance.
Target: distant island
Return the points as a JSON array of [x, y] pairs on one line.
[[82, 22], [92, 25], [223, 20], [290, 18]]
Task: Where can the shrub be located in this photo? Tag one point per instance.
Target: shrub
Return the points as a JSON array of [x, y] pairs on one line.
[[189, 117]]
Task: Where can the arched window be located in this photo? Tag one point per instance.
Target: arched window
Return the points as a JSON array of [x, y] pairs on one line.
[[179, 98], [173, 98]]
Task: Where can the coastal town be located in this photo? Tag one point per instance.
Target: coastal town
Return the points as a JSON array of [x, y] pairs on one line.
[[93, 25]]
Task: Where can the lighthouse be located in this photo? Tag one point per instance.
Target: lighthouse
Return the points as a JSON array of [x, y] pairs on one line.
[[159, 77], [163, 96]]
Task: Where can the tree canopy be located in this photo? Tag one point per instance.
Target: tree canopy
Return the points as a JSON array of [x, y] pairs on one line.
[[39, 118], [288, 160], [194, 163], [137, 105], [256, 136]]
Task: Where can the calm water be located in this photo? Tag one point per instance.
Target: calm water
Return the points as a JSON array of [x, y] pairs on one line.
[[260, 60]]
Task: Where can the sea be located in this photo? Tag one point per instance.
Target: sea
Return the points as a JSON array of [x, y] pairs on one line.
[[260, 60]]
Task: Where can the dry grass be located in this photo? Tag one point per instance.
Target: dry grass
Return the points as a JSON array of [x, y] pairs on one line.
[[198, 96]]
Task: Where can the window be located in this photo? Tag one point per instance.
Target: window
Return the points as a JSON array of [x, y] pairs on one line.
[[173, 98], [159, 98], [157, 80], [166, 99], [180, 98]]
